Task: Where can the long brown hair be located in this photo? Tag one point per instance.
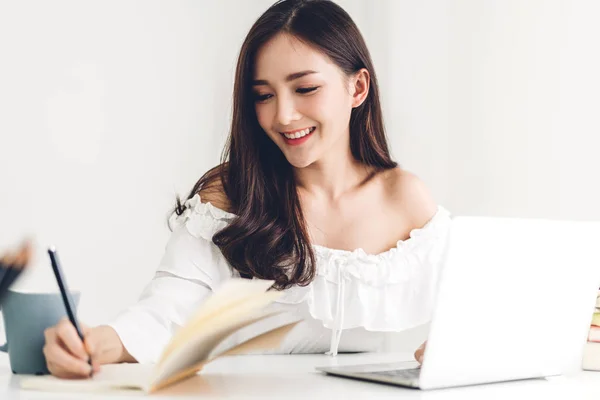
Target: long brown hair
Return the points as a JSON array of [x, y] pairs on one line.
[[268, 239]]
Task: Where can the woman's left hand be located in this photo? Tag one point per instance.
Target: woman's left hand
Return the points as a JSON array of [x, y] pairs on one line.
[[420, 351]]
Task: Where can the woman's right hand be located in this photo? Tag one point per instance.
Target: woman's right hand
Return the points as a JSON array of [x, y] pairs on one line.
[[67, 355]]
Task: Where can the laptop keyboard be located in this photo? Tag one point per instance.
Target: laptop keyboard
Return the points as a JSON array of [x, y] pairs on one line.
[[412, 373]]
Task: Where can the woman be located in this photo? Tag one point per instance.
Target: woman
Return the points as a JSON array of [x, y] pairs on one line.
[[306, 195]]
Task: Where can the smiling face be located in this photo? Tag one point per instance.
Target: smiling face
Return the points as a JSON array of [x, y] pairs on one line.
[[303, 100]]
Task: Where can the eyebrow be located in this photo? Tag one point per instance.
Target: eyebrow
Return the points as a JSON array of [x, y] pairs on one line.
[[289, 78]]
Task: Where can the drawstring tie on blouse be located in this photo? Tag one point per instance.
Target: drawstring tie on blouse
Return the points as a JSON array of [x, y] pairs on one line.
[[336, 331]]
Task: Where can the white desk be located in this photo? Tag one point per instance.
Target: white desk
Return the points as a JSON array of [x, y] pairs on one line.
[[294, 377]]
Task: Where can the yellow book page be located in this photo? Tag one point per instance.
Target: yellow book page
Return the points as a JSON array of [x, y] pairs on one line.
[[195, 346], [267, 340], [232, 293]]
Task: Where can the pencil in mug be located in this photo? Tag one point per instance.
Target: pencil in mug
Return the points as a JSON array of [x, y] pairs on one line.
[[11, 266]]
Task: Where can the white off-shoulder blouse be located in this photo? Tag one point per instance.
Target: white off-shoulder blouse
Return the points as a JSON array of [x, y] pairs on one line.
[[360, 295]]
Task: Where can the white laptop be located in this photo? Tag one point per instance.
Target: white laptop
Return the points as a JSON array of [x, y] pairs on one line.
[[515, 301]]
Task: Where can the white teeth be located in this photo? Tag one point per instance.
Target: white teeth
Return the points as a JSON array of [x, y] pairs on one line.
[[299, 134]]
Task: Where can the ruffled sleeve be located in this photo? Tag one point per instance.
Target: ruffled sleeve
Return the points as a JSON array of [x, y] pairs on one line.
[[190, 269]]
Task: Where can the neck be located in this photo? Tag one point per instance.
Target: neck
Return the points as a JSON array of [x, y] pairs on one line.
[[334, 175]]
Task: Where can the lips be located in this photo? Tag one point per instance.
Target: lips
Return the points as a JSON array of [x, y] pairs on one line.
[[298, 133], [299, 136]]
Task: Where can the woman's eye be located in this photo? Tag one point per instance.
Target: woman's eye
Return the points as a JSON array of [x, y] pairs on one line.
[[306, 90], [262, 97]]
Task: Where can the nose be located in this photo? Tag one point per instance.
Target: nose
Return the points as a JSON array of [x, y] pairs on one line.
[[286, 111]]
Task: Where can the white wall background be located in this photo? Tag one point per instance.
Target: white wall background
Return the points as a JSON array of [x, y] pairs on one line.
[[108, 109]]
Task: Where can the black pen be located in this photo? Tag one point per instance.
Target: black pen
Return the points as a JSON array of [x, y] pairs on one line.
[[62, 285]]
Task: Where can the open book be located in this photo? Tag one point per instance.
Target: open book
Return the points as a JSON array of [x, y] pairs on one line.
[[233, 306]]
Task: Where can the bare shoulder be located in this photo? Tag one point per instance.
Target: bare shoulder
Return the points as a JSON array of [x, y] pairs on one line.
[[409, 194], [213, 192]]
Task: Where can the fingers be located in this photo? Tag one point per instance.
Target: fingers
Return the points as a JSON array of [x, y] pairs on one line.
[[66, 356], [95, 367], [87, 341], [11, 266], [95, 346], [63, 364], [24, 255], [19, 257], [419, 352], [7, 258], [67, 333], [60, 361]]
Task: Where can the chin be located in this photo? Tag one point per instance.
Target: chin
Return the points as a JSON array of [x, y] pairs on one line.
[[300, 163]]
